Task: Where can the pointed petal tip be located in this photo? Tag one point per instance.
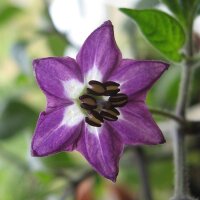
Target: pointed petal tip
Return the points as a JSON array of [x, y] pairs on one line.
[[159, 140], [112, 177], [37, 152], [34, 153], [162, 63], [162, 141], [34, 63], [34, 150], [167, 65], [107, 23]]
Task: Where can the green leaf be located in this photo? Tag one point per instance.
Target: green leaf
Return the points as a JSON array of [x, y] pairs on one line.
[[16, 117], [161, 30], [57, 44], [8, 13]]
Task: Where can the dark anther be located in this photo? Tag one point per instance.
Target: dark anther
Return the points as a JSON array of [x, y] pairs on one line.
[[97, 88], [118, 100], [112, 88], [110, 114], [94, 119], [101, 108], [90, 122], [107, 105], [88, 102]]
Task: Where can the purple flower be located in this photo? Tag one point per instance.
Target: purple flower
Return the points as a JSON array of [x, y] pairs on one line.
[[96, 103]]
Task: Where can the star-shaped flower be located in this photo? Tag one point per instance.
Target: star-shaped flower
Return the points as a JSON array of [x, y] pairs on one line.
[[96, 103]]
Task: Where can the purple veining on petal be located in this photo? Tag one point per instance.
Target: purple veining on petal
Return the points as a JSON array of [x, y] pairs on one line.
[[137, 77], [137, 126], [54, 103], [100, 50], [102, 150], [52, 72], [51, 135]]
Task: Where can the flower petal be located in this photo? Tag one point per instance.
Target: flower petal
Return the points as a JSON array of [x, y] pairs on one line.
[[54, 103], [57, 131], [100, 52], [102, 148], [58, 77], [137, 77], [136, 125]]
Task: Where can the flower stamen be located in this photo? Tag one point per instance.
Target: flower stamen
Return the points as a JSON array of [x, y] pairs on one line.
[[110, 114], [94, 119], [99, 107], [112, 88], [118, 100], [97, 88], [88, 102]]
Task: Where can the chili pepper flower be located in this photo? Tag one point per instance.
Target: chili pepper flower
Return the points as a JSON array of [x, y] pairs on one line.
[[96, 103]]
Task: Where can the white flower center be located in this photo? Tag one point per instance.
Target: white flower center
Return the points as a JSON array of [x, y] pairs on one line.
[[94, 100], [93, 74], [72, 115], [73, 88]]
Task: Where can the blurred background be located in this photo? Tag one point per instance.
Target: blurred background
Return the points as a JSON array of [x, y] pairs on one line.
[[32, 29]]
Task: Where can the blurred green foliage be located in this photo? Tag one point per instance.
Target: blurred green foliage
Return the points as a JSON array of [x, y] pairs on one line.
[[16, 117], [8, 12], [26, 33], [56, 44], [184, 10]]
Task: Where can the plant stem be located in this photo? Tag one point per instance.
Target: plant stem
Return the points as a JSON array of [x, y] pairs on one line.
[[143, 171], [181, 178], [167, 114]]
